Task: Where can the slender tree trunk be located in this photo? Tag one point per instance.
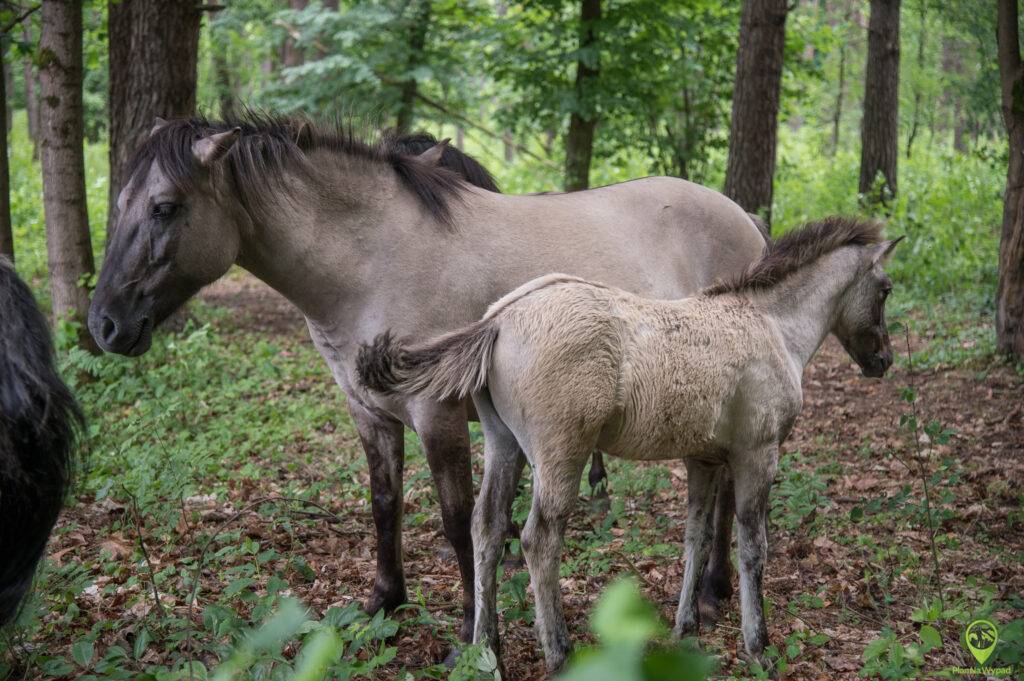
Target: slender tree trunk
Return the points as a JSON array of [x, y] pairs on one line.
[[579, 142], [915, 122], [222, 76], [417, 43], [153, 49], [755, 106], [1010, 295], [952, 67], [837, 116], [31, 98], [69, 250], [880, 124], [460, 137], [8, 87], [6, 231], [290, 54]]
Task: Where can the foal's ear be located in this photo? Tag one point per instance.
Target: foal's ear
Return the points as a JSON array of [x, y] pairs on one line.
[[157, 124], [884, 250], [210, 149], [432, 156]]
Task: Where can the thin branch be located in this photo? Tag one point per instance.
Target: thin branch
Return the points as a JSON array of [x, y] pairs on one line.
[[145, 553], [24, 15]]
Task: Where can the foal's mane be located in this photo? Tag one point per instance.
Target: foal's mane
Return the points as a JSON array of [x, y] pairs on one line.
[[798, 249], [268, 143]]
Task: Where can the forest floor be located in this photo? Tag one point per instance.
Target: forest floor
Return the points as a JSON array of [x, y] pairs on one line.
[[851, 558]]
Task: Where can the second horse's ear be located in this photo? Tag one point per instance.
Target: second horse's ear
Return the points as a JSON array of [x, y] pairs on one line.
[[432, 156], [884, 250], [157, 124], [210, 149]]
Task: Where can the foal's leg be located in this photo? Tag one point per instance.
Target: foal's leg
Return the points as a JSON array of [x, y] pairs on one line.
[[700, 483], [753, 474], [716, 585], [503, 463], [385, 453], [556, 483], [445, 438], [598, 476]]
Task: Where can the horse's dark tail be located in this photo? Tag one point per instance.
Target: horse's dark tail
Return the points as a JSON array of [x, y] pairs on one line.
[[39, 426], [453, 365]]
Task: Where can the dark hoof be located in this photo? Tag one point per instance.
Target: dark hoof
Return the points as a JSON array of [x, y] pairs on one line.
[[385, 599], [452, 657], [688, 630], [600, 502], [711, 607]]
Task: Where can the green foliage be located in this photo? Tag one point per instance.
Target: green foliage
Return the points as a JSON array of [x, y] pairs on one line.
[[632, 644]]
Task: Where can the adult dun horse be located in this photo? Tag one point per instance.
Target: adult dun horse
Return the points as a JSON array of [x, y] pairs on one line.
[[39, 425], [367, 237], [561, 366]]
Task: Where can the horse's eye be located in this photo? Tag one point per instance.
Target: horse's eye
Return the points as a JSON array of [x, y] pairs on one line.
[[164, 211]]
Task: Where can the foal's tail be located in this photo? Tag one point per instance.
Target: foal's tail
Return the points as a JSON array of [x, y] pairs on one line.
[[454, 365], [39, 424]]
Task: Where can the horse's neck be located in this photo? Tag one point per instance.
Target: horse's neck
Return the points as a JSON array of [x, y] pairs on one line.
[[313, 243], [804, 305]]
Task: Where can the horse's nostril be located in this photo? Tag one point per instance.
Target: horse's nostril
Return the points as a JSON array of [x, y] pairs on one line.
[[108, 329]]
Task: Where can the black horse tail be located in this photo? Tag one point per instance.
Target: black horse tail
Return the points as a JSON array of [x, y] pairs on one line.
[[454, 160], [40, 422]]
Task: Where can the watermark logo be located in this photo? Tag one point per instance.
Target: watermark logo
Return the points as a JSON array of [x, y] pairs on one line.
[[981, 638]]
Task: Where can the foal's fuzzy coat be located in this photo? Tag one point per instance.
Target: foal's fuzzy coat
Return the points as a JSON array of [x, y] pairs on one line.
[[561, 365]]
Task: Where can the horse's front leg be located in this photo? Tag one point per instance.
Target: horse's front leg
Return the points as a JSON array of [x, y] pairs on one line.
[[753, 473], [384, 445], [445, 438]]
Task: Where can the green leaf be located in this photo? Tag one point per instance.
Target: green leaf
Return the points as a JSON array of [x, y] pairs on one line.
[[930, 637], [82, 652]]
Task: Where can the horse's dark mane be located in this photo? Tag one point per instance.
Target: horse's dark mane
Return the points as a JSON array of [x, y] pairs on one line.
[[39, 422], [268, 143], [799, 248]]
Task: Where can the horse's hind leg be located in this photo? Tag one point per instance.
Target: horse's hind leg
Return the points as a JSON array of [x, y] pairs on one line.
[[556, 483], [753, 478], [503, 463], [716, 584], [385, 453], [700, 483], [445, 437]]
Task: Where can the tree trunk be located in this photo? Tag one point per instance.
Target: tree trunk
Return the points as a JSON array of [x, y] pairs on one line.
[[915, 122], [8, 87], [755, 106], [953, 67], [1010, 294], [837, 116], [153, 50], [417, 43], [31, 98], [579, 142], [222, 77], [68, 248], [880, 124], [6, 231], [290, 54]]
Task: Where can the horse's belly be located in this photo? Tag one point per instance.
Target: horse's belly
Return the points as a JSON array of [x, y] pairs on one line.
[[663, 432]]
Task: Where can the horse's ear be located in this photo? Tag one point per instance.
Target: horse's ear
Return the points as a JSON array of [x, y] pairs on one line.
[[157, 124], [210, 149], [884, 250], [432, 156]]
